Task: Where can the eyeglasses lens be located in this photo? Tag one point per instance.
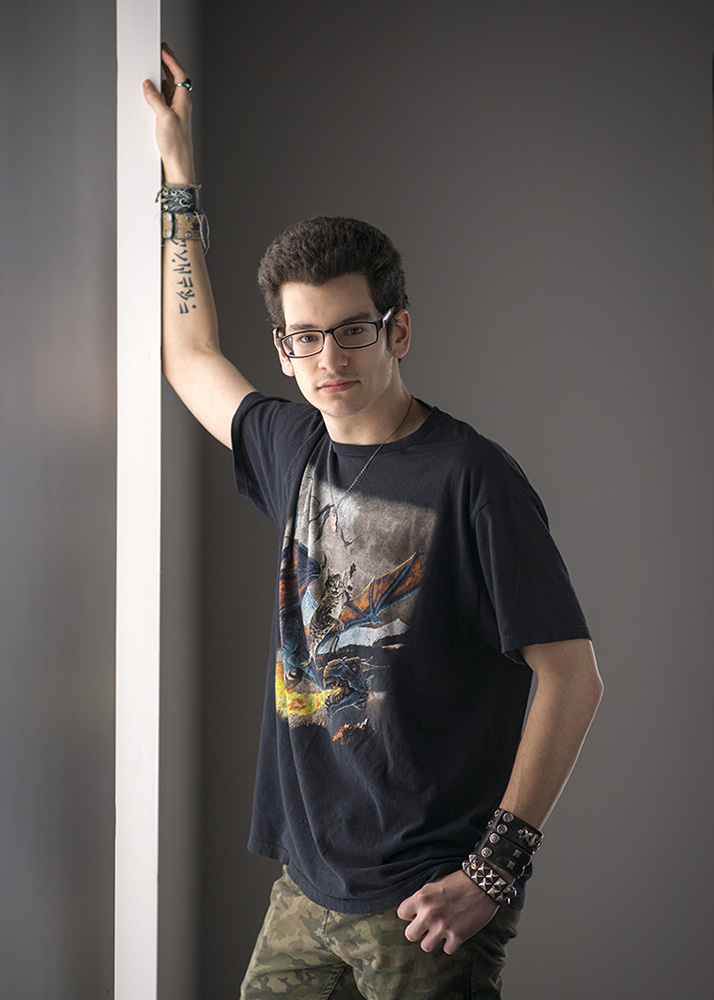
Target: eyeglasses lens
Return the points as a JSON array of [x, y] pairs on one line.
[[349, 337]]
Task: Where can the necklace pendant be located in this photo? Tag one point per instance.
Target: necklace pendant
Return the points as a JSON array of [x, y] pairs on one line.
[[333, 519]]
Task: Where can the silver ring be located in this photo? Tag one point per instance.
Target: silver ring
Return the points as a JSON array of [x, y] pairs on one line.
[[186, 83]]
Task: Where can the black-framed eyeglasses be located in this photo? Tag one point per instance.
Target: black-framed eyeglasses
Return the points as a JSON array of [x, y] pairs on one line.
[[350, 336]]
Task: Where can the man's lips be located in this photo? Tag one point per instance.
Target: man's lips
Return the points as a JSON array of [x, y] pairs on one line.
[[337, 385]]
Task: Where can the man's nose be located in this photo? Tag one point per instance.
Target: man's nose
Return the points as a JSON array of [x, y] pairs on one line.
[[332, 355]]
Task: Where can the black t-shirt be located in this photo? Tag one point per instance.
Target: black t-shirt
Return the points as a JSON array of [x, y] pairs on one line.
[[396, 693]]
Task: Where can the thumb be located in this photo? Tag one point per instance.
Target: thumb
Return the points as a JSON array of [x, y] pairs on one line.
[[153, 97]]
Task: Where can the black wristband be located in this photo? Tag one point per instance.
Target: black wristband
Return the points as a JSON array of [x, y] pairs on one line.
[[504, 854], [181, 198], [505, 824]]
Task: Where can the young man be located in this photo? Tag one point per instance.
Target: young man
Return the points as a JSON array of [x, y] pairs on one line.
[[419, 591]]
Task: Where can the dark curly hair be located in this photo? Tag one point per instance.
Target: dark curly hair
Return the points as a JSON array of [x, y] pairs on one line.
[[319, 249]]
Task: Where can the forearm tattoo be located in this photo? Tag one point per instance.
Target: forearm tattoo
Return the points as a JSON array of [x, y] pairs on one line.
[[181, 266]]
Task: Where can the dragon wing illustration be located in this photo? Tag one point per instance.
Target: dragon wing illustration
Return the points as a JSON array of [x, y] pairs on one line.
[[380, 593]]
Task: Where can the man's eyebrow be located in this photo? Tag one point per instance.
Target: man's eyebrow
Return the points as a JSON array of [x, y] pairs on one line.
[[296, 327]]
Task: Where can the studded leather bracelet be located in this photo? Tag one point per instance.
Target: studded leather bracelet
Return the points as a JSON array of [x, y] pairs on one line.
[[508, 842], [505, 824], [489, 881], [188, 226], [503, 853]]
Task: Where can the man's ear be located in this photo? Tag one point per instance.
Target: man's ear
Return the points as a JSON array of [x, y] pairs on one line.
[[285, 362], [401, 334]]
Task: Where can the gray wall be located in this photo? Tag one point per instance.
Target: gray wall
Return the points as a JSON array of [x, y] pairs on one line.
[[546, 170], [57, 459]]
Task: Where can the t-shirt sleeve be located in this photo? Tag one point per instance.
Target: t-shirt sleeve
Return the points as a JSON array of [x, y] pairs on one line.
[[528, 583], [269, 435]]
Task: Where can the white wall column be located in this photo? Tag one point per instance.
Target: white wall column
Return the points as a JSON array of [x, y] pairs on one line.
[[138, 507]]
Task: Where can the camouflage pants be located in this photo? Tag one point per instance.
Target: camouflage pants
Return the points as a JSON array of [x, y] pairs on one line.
[[306, 952]]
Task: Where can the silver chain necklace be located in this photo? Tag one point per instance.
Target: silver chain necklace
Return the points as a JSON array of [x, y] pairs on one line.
[[334, 507]]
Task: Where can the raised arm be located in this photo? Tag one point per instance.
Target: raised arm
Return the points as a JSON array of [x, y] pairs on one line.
[[209, 385]]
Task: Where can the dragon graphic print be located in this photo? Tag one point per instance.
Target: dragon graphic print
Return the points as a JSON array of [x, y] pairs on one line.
[[347, 590]]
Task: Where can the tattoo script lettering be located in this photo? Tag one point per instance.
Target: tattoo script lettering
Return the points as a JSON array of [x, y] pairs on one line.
[[181, 265]]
